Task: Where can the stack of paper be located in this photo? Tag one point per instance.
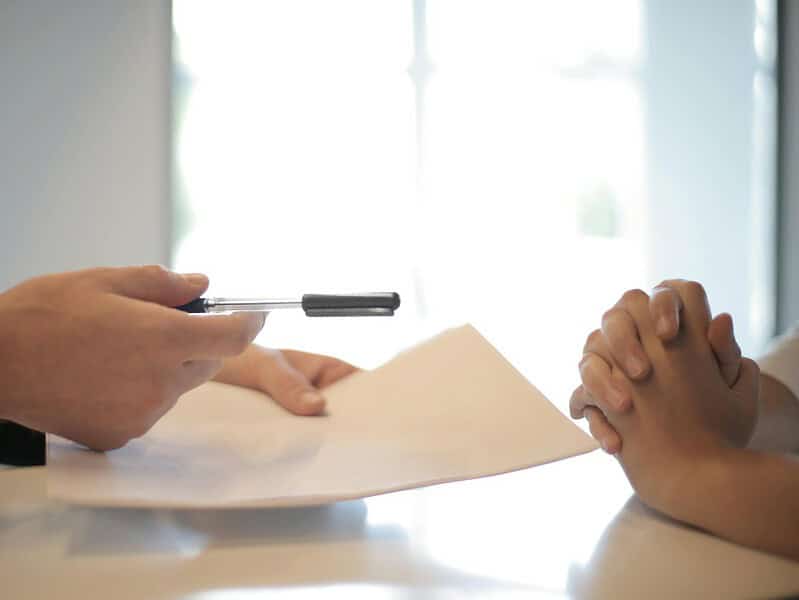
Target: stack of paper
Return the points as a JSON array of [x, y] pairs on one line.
[[452, 408]]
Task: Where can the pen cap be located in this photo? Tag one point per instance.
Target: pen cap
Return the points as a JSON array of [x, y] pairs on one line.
[[356, 305]]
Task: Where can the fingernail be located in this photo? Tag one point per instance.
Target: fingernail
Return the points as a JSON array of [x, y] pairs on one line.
[[663, 326], [196, 279], [635, 366], [311, 399]]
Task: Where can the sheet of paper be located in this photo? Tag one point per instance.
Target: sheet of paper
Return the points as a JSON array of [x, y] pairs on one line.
[[449, 409]]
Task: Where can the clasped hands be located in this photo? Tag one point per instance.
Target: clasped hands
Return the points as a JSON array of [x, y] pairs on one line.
[[665, 389]]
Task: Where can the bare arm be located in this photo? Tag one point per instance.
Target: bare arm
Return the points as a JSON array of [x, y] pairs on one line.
[[745, 496], [777, 428], [685, 435]]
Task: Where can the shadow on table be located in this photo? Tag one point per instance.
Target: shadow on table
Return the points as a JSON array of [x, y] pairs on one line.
[[644, 554], [97, 531], [247, 553]]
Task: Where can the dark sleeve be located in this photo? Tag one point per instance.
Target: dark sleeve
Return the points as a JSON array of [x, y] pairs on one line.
[[20, 446]]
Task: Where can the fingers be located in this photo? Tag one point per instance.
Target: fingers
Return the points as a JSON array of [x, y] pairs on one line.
[[695, 314], [622, 324], [319, 369], [747, 392], [583, 405], [665, 305], [290, 377], [220, 335], [153, 283], [636, 304], [605, 390], [602, 431], [728, 354], [197, 337], [289, 387], [577, 403], [621, 334]]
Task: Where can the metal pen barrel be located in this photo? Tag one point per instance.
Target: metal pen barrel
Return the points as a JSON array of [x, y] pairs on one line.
[[217, 305]]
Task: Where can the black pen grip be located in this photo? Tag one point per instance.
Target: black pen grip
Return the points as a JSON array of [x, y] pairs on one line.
[[352, 305]]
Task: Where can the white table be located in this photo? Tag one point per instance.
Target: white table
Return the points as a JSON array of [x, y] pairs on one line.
[[568, 529]]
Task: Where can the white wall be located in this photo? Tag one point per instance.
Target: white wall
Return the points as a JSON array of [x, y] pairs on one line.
[[789, 142], [711, 118], [84, 134]]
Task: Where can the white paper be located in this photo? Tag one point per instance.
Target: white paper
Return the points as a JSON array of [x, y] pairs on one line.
[[450, 409]]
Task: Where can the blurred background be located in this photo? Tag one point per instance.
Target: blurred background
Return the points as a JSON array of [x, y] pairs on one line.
[[515, 164]]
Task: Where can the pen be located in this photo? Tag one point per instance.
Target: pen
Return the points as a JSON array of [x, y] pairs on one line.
[[314, 305]]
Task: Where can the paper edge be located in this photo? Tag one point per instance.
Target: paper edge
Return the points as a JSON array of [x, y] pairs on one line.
[[318, 500], [589, 445]]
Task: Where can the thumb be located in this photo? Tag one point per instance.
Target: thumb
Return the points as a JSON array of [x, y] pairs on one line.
[[747, 390], [748, 384], [290, 388], [154, 283], [728, 354]]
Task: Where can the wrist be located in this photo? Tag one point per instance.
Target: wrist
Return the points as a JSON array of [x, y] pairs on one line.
[[703, 484]]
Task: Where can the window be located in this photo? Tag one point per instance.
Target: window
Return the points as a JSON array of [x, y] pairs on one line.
[[510, 163]]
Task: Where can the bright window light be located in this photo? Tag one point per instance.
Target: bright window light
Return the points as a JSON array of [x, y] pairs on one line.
[[501, 162]]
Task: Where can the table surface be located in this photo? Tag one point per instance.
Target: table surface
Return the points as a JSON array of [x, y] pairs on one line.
[[569, 529]]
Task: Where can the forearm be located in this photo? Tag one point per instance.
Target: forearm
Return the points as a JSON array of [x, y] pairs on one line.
[[777, 428], [745, 496]]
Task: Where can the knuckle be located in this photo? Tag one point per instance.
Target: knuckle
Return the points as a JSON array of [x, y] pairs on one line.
[[594, 418], [591, 375], [753, 366], [98, 272], [96, 277], [592, 341], [634, 296], [610, 315], [157, 273], [577, 402], [585, 364], [669, 284], [693, 289]]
